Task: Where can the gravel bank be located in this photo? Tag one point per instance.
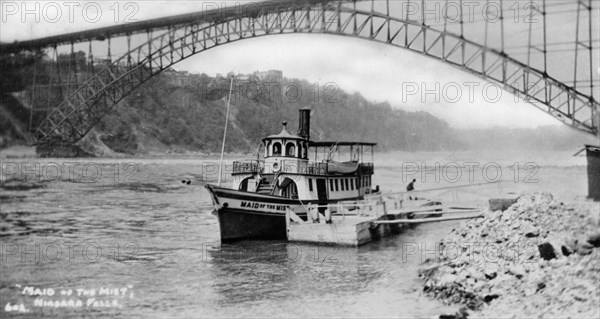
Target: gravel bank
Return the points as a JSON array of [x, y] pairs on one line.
[[539, 258]]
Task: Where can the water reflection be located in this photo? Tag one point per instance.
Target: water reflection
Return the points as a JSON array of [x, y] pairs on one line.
[[255, 270]]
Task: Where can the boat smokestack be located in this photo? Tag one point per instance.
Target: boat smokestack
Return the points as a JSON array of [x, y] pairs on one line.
[[304, 124]]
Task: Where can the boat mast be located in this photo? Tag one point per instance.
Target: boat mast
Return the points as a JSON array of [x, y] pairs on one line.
[[225, 131]]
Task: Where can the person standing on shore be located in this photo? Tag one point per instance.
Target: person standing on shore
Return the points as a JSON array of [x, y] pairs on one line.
[[411, 187]]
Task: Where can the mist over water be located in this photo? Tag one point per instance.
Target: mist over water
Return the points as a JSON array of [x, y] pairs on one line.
[[145, 230]]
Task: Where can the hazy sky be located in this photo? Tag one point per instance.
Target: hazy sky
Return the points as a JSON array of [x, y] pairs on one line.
[[379, 72]]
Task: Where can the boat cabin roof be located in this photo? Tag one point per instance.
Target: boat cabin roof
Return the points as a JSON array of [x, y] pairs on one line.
[[333, 143], [284, 134]]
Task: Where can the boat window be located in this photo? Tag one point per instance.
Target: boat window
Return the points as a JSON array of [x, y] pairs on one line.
[[331, 185], [290, 150], [277, 148], [337, 186], [342, 184], [310, 187], [346, 182]]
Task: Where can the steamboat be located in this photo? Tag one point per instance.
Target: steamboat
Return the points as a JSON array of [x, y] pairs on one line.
[[290, 172]]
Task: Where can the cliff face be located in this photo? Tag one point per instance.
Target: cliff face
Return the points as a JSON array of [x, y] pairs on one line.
[[180, 112]]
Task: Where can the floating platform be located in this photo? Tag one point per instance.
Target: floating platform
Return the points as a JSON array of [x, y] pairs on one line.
[[357, 223]]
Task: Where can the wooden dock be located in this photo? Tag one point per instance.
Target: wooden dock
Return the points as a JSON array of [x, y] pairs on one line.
[[360, 222]]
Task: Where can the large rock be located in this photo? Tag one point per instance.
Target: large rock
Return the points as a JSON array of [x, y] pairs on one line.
[[530, 231], [490, 272], [517, 270], [462, 313], [579, 244], [594, 239], [547, 251], [584, 247], [502, 204]]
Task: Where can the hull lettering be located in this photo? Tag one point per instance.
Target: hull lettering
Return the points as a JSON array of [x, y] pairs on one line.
[[255, 205]]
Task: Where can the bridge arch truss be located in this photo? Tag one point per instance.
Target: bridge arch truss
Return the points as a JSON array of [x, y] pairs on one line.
[[167, 42]]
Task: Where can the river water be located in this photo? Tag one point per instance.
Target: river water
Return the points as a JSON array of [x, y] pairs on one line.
[[127, 238]]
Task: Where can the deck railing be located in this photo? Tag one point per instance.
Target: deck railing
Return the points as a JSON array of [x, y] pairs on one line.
[[294, 167], [246, 166]]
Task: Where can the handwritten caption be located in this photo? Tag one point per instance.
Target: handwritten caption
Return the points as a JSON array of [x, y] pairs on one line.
[[74, 298]]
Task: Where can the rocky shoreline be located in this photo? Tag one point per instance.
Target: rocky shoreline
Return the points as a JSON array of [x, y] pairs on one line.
[[540, 258]]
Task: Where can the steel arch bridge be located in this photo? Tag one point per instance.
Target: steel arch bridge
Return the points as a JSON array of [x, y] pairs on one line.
[[557, 77]]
